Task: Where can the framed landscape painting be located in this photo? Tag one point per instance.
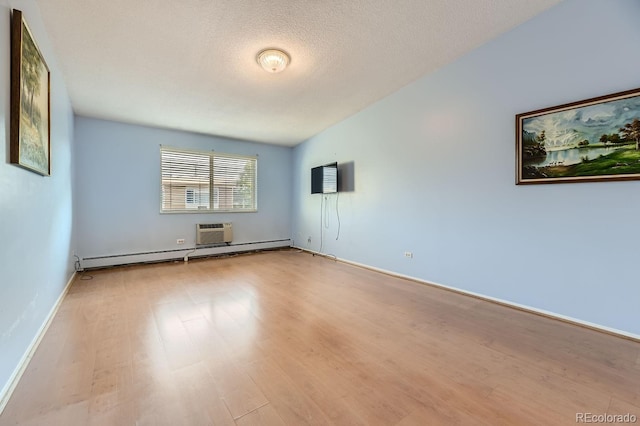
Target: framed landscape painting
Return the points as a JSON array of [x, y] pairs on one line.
[[30, 127], [591, 140]]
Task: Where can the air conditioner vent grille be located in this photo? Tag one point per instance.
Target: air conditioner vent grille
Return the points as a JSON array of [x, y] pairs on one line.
[[211, 225]]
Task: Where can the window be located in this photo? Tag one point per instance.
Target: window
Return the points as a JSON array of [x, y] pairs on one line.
[[195, 198], [207, 181]]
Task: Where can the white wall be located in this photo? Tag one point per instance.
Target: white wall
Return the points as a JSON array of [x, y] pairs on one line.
[[35, 212], [118, 190], [434, 174]]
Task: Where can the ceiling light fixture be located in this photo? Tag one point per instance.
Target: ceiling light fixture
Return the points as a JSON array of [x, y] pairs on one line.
[[273, 60]]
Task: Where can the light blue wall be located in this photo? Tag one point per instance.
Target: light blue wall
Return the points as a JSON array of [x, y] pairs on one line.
[[118, 190], [35, 212], [434, 174]]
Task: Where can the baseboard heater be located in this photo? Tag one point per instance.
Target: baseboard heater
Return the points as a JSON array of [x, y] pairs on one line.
[[165, 255]]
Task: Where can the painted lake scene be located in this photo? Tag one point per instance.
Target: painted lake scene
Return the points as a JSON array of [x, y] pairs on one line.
[[592, 140], [34, 105]]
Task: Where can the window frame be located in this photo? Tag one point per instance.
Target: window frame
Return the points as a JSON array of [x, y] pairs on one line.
[[214, 192]]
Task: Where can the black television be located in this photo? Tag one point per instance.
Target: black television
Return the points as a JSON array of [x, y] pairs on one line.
[[324, 179]]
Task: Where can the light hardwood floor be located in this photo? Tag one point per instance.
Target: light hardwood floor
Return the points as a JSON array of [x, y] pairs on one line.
[[284, 338]]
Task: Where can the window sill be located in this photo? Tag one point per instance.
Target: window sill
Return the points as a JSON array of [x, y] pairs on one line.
[[195, 211]]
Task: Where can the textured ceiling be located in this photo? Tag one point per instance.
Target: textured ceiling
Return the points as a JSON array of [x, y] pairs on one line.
[[191, 65]]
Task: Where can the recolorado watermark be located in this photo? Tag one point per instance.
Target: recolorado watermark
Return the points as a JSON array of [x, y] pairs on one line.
[[605, 418]]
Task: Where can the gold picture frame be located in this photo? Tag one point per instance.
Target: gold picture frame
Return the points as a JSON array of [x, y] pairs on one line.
[[30, 127]]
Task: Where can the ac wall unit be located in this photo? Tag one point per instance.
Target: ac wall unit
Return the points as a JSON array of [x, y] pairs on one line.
[[214, 233]]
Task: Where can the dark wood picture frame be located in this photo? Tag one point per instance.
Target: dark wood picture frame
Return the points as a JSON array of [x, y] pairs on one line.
[[30, 127], [597, 139]]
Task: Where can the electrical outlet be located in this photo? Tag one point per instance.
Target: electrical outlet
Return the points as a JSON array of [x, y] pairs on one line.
[[309, 240], [408, 254], [180, 241]]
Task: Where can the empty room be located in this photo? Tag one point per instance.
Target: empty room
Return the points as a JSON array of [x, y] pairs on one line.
[[370, 212]]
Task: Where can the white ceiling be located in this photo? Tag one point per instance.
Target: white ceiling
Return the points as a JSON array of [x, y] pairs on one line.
[[190, 64]]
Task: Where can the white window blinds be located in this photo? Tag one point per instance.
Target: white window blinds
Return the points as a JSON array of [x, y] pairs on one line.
[[207, 181]]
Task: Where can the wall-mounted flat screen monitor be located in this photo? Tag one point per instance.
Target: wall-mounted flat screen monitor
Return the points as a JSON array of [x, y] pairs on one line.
[[324, 179]]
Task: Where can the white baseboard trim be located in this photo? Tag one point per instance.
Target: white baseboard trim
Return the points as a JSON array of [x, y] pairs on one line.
[[161, 256], [10, 386], [525, 308]]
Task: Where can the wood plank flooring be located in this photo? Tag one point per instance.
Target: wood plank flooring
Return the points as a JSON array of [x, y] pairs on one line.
[[285, 338]]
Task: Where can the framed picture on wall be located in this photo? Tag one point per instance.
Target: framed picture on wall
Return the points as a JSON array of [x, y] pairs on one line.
[[30, 128], [596, 139]]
